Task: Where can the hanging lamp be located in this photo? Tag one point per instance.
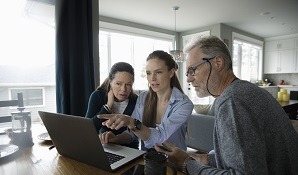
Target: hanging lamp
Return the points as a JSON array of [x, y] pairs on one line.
[[178, 55]]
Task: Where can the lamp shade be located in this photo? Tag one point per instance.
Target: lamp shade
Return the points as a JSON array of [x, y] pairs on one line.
[[178, 55]]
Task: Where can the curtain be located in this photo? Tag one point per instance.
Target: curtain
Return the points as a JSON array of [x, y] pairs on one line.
[[74, 55]]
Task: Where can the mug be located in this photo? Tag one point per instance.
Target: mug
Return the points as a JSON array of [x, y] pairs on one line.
[[157, 163]]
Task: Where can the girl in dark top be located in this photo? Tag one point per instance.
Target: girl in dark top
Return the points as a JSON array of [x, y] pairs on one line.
[[114, 95]]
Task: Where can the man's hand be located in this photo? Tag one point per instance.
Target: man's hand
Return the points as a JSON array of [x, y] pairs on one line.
[[201, 158], [176, 155]]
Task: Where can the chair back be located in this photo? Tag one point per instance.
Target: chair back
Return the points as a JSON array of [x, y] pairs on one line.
[[7, 103], [200, 132], [293, 95]]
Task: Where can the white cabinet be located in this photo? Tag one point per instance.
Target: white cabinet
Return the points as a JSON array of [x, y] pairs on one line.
[[271, 45], [287, 61], [286, 44], [280, 44], [296, 60], [280, 56], [271, 61], [279, 62]]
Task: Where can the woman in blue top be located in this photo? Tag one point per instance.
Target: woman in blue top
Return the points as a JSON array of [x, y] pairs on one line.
[[160, 113], [114, 95]]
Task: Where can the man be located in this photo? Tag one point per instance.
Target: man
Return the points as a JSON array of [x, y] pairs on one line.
[[252, 133]]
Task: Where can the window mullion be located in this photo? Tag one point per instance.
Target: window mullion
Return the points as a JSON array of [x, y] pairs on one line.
[[240, 59], [109, 50]]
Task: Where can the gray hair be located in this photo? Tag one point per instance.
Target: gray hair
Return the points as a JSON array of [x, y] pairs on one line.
[[210, 46]]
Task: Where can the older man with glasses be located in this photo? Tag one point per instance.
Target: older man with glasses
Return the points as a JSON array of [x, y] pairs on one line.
[[252, 133]]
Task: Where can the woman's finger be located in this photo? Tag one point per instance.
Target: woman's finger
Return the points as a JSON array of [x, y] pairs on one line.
[[106, 136], [102, 138], [119, 125], [105, 116]]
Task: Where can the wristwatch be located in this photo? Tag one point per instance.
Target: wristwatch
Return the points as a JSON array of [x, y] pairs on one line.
[[138, 124]]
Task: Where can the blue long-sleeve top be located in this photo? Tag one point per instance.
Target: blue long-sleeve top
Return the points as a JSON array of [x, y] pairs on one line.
[[95, 107], [173, 125]]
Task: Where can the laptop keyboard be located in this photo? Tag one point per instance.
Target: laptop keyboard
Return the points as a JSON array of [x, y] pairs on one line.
[[113, 157]]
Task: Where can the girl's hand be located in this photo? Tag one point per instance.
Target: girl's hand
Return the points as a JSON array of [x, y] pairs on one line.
[[117, 121], [107, 137], [110, 98]]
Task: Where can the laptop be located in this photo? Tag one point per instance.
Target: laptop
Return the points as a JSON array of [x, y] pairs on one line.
[[76, 138]]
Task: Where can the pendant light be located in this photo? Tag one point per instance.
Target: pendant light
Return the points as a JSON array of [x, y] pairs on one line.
[[178, 55]]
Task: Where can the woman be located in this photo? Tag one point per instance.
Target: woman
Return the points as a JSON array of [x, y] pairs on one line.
[[114, 95], [160, 113]]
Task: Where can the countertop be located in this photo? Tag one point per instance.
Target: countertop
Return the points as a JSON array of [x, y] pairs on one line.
[[281, 86]]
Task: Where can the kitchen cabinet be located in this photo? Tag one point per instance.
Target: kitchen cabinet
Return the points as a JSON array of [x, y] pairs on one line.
[[296, 60], [279, 62], [271, 62], [279, 44], [280, 56], [296, 55]]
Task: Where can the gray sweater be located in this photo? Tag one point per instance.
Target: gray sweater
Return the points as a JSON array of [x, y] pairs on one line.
[[252, 135]]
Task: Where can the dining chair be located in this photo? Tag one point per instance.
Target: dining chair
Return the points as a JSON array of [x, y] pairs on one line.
[[8, 103], [293, 95]]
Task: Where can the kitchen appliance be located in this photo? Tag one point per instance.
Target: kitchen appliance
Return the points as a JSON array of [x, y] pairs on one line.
[[21, 128]]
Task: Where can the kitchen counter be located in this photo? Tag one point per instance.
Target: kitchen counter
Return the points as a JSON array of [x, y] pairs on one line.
[[281, 86], [287, 86], [274, 89]]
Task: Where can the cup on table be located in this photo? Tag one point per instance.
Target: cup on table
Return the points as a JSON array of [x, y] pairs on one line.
[[157, 163]]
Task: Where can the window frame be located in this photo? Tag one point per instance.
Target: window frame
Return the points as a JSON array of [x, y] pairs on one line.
[[191, 93], [255, 43], [24, 95], [134, 32]]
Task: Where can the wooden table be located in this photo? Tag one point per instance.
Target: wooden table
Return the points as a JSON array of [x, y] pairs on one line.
[[40, 160], [290, 107]]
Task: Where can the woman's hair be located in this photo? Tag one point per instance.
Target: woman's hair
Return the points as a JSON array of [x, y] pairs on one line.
[[117, 67], [211, 46], [149, 113]]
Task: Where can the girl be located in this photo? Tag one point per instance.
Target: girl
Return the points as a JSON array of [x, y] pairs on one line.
[[160, 113], [114, 95]]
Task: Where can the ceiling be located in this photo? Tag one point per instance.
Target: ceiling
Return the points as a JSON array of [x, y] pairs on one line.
[[193, 14]]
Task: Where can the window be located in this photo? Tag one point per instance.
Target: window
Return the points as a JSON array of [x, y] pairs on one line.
[[31, 97], [27, 57], [190, 89], [130, 48], [247, 59]]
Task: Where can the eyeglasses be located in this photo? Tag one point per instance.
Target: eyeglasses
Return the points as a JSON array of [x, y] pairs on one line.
[[192, 69]]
